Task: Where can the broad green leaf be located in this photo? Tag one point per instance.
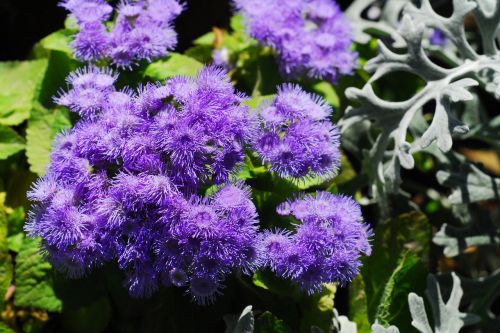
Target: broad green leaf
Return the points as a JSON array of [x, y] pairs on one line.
[[10, 142], [206, 40], [19, 86], [15, 242], [176, 64], [58, 41], [34, 279], [93, 318], [59, 67], [358, 309], [406, 277], [5, 259], [237, 24], [393, 270], [43, 126], [15, 220], [71, 24], [200, 53]]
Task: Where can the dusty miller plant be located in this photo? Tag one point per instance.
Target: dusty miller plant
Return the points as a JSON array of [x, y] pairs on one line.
[[445, 86]]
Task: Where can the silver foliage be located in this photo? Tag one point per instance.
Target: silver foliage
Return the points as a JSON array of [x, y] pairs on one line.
[[444, 86], [242, 324], [456, 240], [383, 19], [447, 316], [470, 184]]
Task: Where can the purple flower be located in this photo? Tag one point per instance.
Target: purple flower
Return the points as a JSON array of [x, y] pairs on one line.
[[89, 91], [437, 38], [325, 247], [312, 37], [123, 184], [142, 30], [296, 138]]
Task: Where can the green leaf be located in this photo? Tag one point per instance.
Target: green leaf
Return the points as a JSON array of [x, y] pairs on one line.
[[394, 269], [358, 309], [58, 41], [43, 126], [257, 101], [326, 90], [176, 64], [308, 182], [237, 24], [206, 40], [59, 67], [269, 323], [34, 279], [5, 329], [407, 275], [15, 220], [267, 280], [10, 142], [15, 242], [19, 87], [5, 259], [92, 318]]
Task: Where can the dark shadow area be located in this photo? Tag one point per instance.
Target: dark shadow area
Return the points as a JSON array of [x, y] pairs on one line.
[[24, 22]]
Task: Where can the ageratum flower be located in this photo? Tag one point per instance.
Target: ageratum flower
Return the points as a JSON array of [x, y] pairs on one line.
[[142, 30], [311, 37], [437, 37], [296, 137], [122, 184], [327, 243]]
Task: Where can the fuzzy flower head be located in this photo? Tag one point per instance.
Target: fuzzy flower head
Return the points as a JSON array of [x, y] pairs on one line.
[[123, 185], [312, 37], [327, 243], [296, 137], [142, 30]]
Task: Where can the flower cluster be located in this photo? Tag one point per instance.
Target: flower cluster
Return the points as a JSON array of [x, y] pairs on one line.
[[326, 246], [311, 37], [296, 137], [122, 183], [142, 29]]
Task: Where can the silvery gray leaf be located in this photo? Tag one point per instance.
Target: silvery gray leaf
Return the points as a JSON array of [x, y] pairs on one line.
[[376, 328], [342, 324], [445, 87], [470, 184], [382, 19], [456, 240], [242, 324], [446, 316]]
